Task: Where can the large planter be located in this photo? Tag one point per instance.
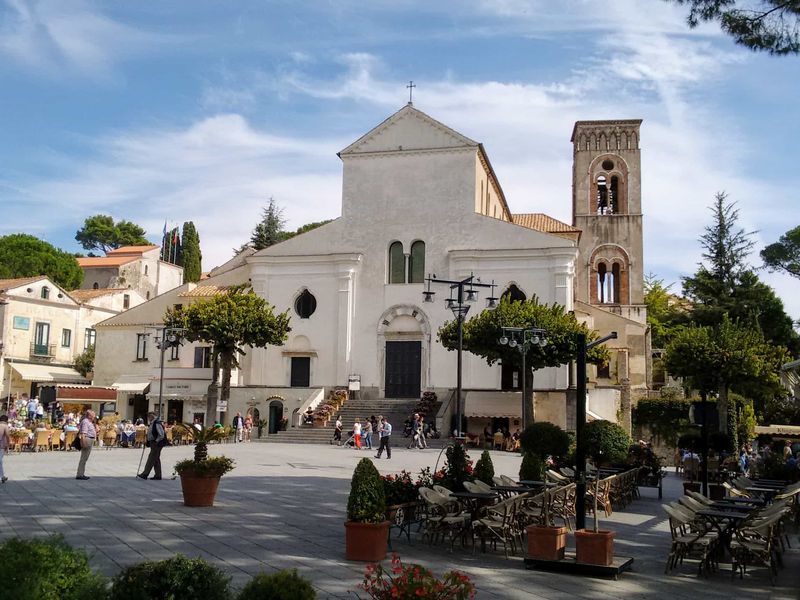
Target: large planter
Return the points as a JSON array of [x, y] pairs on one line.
[[198, 491], [594, 548], [546, 543], [366, 541]]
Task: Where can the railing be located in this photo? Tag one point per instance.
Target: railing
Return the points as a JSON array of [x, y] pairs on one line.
[[43, 349]]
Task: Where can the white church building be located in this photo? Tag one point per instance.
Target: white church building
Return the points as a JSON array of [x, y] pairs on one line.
[[419, 198]]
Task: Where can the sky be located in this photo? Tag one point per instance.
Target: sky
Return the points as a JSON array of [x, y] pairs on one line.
[[198, 110]]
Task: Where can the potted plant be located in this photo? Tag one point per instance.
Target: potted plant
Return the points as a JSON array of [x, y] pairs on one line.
[[366, 529], [541, 441], [606, 442], [260, 425], [414, 581], [402, 496], [200, 475]]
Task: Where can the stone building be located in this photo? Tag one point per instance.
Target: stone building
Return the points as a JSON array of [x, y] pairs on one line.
[[134, 267]]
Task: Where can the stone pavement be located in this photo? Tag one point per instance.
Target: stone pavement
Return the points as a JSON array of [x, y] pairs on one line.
[[284, 506]]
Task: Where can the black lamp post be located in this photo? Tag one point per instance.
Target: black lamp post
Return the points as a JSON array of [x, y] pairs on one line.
[[465, 292], [523, 338], [580, 421], [170, 337]]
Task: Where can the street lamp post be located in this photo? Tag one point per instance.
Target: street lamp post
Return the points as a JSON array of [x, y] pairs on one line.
[[170, 338], [580, 421], [523, 338], [465, 292]]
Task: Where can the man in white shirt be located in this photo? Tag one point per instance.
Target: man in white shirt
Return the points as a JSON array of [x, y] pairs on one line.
[[385, 432]]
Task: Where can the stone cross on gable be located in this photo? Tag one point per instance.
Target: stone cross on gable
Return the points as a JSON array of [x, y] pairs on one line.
[[410, 87]]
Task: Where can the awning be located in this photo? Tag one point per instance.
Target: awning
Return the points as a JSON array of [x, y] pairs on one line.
[[132, 384], [493, 404], [48, 373], [85, 393], [790, 430]]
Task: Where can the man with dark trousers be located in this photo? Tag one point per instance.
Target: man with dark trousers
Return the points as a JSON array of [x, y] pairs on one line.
[[385, 432], [156, 440]]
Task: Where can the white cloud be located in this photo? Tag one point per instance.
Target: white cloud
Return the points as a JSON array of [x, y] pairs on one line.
[[58, 36]]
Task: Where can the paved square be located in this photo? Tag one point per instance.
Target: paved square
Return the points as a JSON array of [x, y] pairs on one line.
[[284, 506]]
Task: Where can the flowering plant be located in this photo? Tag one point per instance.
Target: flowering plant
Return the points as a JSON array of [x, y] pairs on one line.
[[400, 488], [407, 582]]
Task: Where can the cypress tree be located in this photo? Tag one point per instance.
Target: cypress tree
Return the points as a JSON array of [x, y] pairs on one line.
[[192, 257]]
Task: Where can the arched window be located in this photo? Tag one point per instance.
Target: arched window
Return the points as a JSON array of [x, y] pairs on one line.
[[305, 305], [615, 274], [397, 263], [416, 266], [601, 282], [45, 292], [96, 286], [514, 294], [603, 204], [145, 269]]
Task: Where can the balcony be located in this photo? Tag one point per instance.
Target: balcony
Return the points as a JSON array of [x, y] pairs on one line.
[[43, 350]]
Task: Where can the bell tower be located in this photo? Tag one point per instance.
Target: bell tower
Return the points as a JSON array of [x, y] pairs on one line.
[[607, 208]]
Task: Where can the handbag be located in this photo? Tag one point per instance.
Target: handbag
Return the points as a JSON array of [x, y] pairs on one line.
[[76, 443]]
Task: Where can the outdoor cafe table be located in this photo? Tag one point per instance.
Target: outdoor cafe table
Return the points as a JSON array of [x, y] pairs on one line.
[[507, 490], [475, 501], [724, 521], [737, 500], [766, 492], [722, 505], [538, 484]]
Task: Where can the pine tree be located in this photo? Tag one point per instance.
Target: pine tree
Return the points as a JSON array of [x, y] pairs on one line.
[[270, 230], [192, 257]]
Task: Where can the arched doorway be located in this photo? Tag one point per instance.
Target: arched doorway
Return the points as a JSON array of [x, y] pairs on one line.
[[275, 415], [403, 350]]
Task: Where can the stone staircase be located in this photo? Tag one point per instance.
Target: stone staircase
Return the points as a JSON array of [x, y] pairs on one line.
[[397, 411]]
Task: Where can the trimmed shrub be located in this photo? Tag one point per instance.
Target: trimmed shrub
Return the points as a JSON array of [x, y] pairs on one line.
[[606, 442], [532, 468], [544, 439], [172, 579], [690, 441], [458, 468], [283, 585], [367, 500], [484, 469], [48, 569]]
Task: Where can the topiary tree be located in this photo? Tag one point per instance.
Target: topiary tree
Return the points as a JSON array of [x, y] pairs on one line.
[[176, 577], [283, 585], [47, 569], [367, 500], [484, 469], [531, 468], [545, 439], [605, 442], [231, 321], [457, 469]]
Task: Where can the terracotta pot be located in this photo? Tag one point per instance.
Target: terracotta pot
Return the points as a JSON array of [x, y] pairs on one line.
[[546, 543], [366, 541], [594, 548], [198, 491]]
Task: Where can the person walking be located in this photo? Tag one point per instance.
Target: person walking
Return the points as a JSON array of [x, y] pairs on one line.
[[5, 440], [86, 434], [414, 433], [385, 433], [238, 425], [368, 434], [357, 434], [337, 431], [156, 440], [423, 443]]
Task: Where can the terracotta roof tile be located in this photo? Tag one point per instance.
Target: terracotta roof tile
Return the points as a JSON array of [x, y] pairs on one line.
[[138, 250], [547, 224], [204, 291], [89, 262], [7, 284]]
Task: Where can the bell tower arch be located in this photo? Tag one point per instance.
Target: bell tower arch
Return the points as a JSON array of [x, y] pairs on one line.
[[607, 208]]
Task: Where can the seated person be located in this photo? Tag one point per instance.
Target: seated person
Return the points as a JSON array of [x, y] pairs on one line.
[[308, 416]]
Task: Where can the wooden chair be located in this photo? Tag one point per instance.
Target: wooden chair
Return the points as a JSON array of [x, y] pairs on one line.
[[41, 440], [497, 441], [110, 437], [69, 437], [141, 437], [755, 545], [687, 543], [499, 524]]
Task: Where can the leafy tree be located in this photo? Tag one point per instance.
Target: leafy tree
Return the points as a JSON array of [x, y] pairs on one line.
[[665, 311], [726, 286], [305, 228], [784, 255], [101, 233], [84, 363], [23, 255], [713, 359], [482, 332], [781, 410], [761, 25], [231, 321], [192, 257], [270, 230], [484, 469], [171, 247]]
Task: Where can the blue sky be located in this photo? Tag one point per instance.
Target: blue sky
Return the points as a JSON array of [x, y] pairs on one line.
[[154, 111]]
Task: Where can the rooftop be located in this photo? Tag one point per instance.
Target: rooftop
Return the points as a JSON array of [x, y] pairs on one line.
[[205, 291], [86, 295], [7, 284], [106, 261], [131, 250], [545, 223]]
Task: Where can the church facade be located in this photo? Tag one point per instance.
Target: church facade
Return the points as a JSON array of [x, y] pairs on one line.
[[420, 199]]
